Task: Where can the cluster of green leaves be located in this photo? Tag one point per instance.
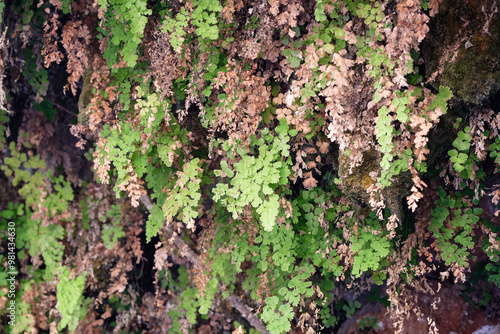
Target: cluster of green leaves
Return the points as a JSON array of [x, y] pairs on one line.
[[114, 231], [253, 180], [15, 214], [45, 240], [188, 302], [23, 323], [27, 172], [370, 12], [463, 161], [350, 308], [342, 308], [37, 77], [184, 198], [451, 224], [372, 15], [19, 215], [327, 318], [492, 268], [2, 6], [394, 163], [160, 174], [289, 254], [176, 28], [124, 142], [294, 53], [203, 17], [494, 149], [384, 135], [124, 25], [30, 13], [494, 273], [370, 247], [274, 254], [385, 132], [70, 300], [47, 108], [368, 322], [121, 144], [126, 148]]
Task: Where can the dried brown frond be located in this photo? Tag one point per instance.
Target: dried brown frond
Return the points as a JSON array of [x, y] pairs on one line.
[[50, 49], [76, 38]]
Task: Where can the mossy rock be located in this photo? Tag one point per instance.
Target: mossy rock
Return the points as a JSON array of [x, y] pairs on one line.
[[85, 98], [355, 184], [466, 48]]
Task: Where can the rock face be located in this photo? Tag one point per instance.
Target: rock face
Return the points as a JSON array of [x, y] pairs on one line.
[[356, 183], [85, 98], [462, 49], [359, 180], [452, 315]]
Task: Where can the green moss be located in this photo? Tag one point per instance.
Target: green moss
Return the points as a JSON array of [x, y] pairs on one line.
[[473, 77]]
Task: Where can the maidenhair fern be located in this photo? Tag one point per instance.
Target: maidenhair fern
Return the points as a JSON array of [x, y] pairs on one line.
[[370, 247], [70, 300], [36, 237], [454, 242], [114, 231], [254, 180], [228, 121], [183, 199], [126, 20]]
